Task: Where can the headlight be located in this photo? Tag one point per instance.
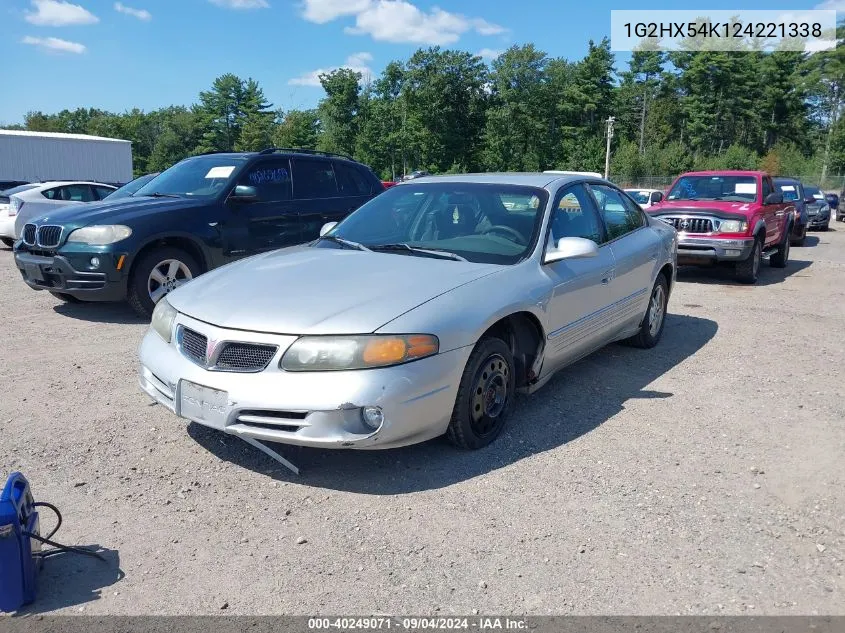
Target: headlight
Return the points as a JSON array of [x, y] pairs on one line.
[[163, 317], [100, 235], [733, 226], [333, 353]]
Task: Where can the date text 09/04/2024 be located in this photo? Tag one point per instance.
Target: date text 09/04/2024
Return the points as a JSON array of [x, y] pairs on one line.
[[374, 623]]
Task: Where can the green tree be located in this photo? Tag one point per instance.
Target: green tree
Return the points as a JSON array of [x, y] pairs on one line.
[[296, 128], [224, 111], [338, 111]]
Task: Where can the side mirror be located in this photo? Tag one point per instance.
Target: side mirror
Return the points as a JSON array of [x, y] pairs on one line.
[[571, 248], [328, 226], [656, 197], [774, 198], [244, 193]]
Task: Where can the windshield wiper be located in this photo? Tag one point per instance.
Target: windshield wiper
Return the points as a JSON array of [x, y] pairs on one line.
[[345, 242], [432, 252], [157, 194]]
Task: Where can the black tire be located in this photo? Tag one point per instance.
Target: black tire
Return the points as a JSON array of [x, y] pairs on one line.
[[748, 270], [781, 257], [138, 294], [62, 296], [648, 336], [487, 386], [826, 226], [800, 240], [7, 241]]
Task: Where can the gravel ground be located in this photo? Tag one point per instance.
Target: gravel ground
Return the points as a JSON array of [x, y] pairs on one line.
[[698, 477]]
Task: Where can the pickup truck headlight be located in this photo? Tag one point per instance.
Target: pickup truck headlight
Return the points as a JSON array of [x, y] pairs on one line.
[[100, 235], [335, 353], [163, 317], [733, 226]]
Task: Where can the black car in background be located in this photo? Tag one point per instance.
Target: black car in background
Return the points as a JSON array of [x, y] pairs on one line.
[[203, 212], [793, 191], [818, 209]]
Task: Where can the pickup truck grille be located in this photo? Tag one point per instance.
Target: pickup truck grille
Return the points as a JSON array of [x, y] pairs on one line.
[[690, 224], [227, 356], [29, 235]]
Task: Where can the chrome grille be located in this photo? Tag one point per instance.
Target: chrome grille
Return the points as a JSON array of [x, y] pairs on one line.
[[29, 235], [690, 225], [244, 357], [49, 235], [193, 345]]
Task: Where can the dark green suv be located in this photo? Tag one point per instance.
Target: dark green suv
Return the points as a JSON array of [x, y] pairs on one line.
[[203, 212]]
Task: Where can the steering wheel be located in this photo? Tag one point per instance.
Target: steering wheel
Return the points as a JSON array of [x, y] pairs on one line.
[[513, 233]]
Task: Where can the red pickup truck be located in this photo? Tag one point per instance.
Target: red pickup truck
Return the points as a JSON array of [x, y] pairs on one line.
[[728, 217]]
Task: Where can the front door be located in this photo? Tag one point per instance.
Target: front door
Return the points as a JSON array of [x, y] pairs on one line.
[[578, 312], [272, 221], [635, 253]]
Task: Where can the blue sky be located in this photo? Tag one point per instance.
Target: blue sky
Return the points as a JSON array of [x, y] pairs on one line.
[[150, 53]]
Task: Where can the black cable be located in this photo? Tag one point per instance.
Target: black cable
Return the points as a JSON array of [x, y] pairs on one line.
[[44, 504], [63, 548]]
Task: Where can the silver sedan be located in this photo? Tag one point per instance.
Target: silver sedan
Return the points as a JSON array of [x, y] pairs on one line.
[[420, 314]]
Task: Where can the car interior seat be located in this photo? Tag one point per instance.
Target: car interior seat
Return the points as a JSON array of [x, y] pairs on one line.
[[455, 220]]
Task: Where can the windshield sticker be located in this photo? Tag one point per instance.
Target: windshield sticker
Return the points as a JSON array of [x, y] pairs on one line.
[[220, 172], [787, 188], [746, 187], [262, 176]]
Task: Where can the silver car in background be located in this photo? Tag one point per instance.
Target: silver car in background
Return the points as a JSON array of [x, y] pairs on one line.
[[420, 314]]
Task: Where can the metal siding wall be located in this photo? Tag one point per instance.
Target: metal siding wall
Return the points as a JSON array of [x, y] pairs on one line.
[[42, 158]]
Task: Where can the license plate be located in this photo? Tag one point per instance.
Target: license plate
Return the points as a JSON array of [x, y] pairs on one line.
[[33, 271], [203, 404]]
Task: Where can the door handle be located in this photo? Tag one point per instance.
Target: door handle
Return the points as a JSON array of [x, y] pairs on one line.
[[607, 277]]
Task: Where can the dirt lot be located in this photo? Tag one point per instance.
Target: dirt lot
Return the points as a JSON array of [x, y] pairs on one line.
[[705, 476]]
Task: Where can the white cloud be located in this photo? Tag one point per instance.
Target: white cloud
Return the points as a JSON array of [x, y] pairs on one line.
[[398, 21], [241, 4], [357, 62], [141, 14], [322, 11], [54, 44], [488, 54], [59, 13], [831, 5]]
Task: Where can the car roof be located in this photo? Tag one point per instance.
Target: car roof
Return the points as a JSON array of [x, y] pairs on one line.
[[781, 179], [529, 179], [725, 172], [60, 183]]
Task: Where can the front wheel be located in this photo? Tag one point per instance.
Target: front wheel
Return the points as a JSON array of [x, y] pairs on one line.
[[780, 259], [158, 273], [748, 270], [484, 397]]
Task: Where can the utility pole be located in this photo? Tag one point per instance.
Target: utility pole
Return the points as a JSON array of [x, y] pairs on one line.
[[609, 122]]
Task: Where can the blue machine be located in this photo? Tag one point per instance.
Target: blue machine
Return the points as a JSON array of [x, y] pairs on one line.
[[19, 553]]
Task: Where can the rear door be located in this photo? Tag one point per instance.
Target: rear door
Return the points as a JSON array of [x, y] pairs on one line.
[[273, 221], [352, 185], [635, 251], [317, 196]]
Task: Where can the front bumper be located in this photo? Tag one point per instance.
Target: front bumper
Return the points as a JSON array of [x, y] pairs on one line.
[[819, 220], [319, 409], [56, 272], [703, 250]]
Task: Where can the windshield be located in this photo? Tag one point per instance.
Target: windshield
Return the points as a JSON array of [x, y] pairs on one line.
[[728, 188], [640, 197], [483, 223], [130, 188], [198, 177], [815, 192], [788, 189], [18, 189]]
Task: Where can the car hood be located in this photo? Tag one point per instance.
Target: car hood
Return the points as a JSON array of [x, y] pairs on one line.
[[703, 206], [303, 290], [120, 211]]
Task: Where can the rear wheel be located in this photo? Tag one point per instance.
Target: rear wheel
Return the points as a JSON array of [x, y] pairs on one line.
[[748, 270], [484, 397], [158, 273], [8, 241], [651, 329]]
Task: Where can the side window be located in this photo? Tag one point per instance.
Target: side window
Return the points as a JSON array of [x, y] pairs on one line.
[[619, 217], [271, 179], [767, 188], [350, 181], [72, 193], [313, 179], [52, 194], [102, 192], [575, 216]]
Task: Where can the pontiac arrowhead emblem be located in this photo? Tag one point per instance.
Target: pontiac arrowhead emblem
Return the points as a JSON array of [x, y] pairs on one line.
[[210, 346]]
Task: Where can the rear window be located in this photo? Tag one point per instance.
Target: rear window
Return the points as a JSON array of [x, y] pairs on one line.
[[313, 179], [350, 180]]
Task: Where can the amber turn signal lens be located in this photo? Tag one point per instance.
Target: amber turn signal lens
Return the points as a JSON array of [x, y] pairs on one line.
[[422, 345], [384, 351]]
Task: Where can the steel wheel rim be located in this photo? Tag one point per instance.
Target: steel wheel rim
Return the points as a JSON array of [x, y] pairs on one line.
[[490, 395], [165, 277], [656, 310]]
